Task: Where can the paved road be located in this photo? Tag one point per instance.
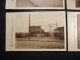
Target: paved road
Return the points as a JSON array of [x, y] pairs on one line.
[[39, 3], [39, 43]]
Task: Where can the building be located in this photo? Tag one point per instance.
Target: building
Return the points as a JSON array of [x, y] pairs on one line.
[[46, 34], [21, 35], [59, 32], [36, 31]]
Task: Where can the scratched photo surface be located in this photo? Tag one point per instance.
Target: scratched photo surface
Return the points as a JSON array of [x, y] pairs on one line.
[[40, 31], [39, 3], [78, 28], [78, 3]]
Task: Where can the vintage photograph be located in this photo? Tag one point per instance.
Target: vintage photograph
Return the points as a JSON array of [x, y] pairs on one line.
[[73, 31], [78, 3], [35, 4], [43, 31], [78, 29], [73, 4], [39, 3], [36, 30]]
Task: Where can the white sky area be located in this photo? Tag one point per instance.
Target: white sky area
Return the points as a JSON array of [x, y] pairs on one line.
[[39, 18], [22, 22]]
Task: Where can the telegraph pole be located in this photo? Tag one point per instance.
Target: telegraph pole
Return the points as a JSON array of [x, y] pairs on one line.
[[12, 33], [29, 29], [56, 24], [51, 25]]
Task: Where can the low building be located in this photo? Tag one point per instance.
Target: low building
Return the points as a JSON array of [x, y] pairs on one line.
[[46, 34], [21, 35], [59, 32], [36, 31]]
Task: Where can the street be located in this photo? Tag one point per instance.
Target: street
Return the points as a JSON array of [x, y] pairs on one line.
[[39, 43]]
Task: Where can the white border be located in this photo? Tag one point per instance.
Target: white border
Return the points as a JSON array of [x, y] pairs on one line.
[[11, 4], [9, 29], [72, 31]]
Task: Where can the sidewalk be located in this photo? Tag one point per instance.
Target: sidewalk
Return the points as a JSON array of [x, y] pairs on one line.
[[46, 39]]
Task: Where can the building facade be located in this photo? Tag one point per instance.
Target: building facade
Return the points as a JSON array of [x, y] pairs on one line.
[[59, 33], [36, 31]]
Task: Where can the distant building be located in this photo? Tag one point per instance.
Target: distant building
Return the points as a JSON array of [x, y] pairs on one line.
[[46, 34], [36, 31], [21, 35], [59, 32]]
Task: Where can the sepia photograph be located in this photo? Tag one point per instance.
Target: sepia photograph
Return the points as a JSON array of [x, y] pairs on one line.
[[78, 3], [39, 3], [73, 31], [35, 4], [73, 4], [39, 30], [78, 29]]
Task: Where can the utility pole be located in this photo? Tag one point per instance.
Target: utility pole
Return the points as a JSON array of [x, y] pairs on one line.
[[29, 29], [12, 33], [55, 24], [51, 25]]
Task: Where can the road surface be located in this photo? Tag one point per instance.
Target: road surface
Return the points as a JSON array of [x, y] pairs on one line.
[[39, 43]]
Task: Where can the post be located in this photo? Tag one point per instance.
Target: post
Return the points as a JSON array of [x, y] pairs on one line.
[[50, 26], [56, 25], [29, 29], [12, 33]]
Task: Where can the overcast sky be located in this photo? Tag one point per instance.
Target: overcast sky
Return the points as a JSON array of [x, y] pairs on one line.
[[37, 19], [22, 22]]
